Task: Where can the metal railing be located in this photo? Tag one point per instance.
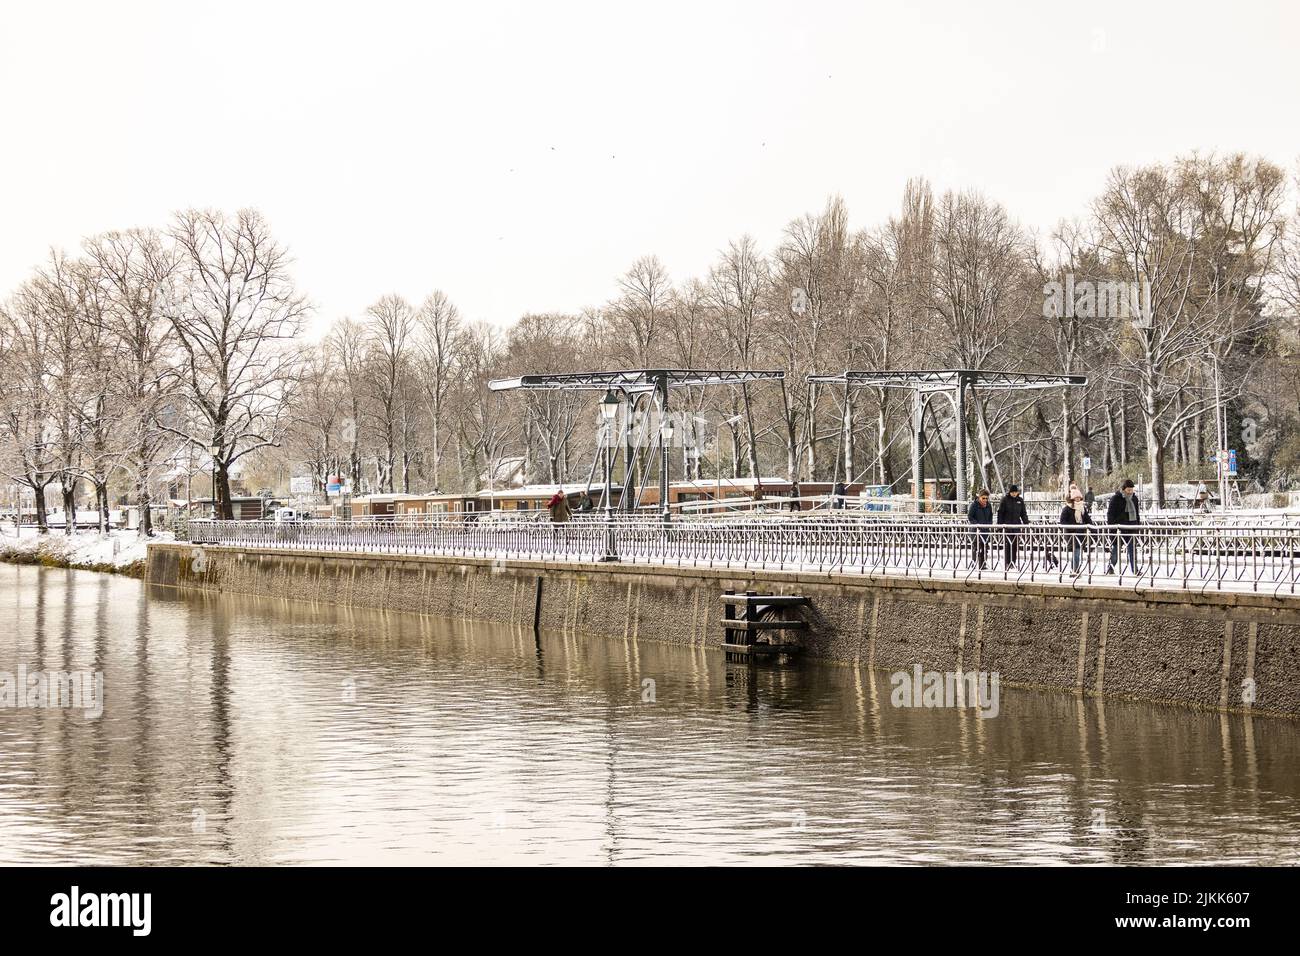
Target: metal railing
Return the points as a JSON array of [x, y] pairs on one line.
[[1202, 557]]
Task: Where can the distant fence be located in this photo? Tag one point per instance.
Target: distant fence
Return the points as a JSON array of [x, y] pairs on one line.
[[1162, 554]]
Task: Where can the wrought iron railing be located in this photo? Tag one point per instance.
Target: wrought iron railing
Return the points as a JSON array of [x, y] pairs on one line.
[[1202, 557]]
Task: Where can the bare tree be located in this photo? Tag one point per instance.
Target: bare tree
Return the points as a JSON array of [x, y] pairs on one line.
[[132, 272], [234, 310], [637, 316], [897, 266], [390, 340], [321, 406], [347, 341], [32, 451], [439, 347], [1156, 225], [541, 344], [738, 287], [487, 425], [58, 295]]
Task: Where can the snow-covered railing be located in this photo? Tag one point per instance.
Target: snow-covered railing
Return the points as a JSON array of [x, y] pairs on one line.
[[1203, 557]]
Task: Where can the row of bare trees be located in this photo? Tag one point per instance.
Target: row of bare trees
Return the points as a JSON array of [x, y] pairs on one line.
[[155, 348], [1187, 365], [149, 349]]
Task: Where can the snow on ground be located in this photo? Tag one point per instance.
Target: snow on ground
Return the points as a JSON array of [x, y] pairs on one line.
[[84, 549]]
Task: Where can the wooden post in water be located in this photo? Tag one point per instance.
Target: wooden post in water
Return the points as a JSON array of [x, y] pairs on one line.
[[728, 614], [537, 606]]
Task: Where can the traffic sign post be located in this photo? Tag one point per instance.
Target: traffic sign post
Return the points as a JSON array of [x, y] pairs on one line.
[[1231, 476]]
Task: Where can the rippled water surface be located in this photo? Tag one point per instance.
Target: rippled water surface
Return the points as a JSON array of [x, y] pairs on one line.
[[262, 731]]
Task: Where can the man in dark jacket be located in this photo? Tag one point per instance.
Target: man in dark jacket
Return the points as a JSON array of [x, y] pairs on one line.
[[1012, 512], [981, 513], [1124, 510]]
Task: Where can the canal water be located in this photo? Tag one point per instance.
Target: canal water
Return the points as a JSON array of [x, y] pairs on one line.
[[265, 731]]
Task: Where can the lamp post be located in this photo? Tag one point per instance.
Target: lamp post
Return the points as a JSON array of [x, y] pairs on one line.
[[634, 470], [665, 441], [215, 450], [1220, 433], [608, 412]]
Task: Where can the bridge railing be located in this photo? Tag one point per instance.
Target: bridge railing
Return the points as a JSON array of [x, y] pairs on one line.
[[1201, 557]]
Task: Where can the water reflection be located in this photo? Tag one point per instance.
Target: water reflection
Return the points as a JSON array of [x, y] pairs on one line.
[[241, 731]]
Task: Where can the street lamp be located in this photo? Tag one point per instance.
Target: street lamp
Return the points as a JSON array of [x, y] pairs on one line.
[[608, 412], [609, 406], [633, 442], [215, 450], [666, 440], [1220, 433]]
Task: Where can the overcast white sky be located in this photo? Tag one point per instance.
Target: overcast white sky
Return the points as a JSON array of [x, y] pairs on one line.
[[520, 156]]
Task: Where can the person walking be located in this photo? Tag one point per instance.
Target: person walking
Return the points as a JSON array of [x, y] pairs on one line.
[[1075, 515], [1124, 511], [980, 514], [1013, 514], [558, 506], [585, 503], [838, 493], [795, 503]]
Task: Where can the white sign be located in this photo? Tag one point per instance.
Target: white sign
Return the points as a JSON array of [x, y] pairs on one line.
[[1087, 463], [300, 485]]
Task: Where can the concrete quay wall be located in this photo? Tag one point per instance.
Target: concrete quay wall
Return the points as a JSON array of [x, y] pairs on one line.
[[1225, 651]]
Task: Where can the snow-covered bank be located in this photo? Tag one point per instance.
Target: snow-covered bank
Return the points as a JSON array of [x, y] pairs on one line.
[[121, 552]]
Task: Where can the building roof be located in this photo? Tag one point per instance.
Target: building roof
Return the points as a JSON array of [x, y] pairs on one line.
[[525, 491], [728, 482]]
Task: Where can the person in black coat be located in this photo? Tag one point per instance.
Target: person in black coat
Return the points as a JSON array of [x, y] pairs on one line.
[[1012, 512], [1125, 511], [980, 513]]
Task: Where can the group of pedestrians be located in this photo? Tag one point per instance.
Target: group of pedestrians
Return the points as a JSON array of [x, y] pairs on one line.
[[559, 509], [1123, 514], [1012, 516]]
